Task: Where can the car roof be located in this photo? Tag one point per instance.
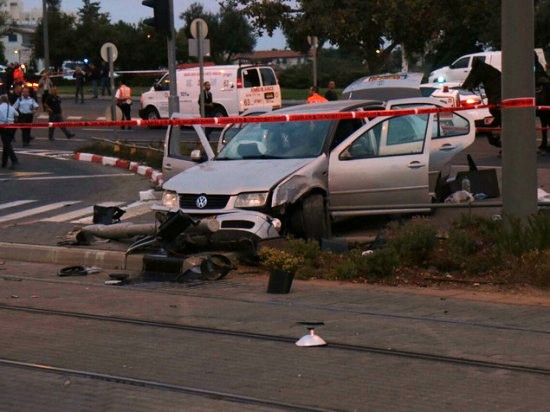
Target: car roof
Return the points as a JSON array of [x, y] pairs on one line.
[[332, 106]]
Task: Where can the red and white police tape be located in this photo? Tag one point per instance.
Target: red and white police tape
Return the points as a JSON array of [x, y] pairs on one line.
[[153, 175]]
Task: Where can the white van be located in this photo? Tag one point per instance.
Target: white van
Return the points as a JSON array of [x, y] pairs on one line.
[[460, 68], [234, 90]]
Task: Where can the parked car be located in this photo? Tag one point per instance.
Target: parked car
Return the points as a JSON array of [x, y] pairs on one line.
[[306, 173], [455, 96]]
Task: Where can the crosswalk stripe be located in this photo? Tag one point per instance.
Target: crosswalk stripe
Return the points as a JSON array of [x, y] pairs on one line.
[[15, 203], [37, 210], [65, 217]]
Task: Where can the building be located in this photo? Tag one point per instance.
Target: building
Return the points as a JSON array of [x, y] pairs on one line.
[[280, 59], [18, 42]]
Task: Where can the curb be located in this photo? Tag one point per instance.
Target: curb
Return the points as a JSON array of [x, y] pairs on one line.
[[104, 259], [153, 175]]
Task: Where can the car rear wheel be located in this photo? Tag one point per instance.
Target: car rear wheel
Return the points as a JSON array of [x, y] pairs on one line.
[[152, 114]]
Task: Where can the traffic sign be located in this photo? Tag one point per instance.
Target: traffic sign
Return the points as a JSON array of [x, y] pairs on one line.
[[195, 30], [105, 53]]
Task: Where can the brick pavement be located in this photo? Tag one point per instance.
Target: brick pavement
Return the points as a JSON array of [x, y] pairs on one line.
[[321, 377]]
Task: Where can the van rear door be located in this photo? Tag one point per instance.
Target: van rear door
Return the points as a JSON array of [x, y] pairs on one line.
[[258, 87]]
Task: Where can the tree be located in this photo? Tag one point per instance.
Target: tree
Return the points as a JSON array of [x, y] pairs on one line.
[[375, 28], [62, 35], [92, 30]]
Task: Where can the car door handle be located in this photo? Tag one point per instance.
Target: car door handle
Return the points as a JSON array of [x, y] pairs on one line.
[[168, 166], [447, 147], [416, 165]]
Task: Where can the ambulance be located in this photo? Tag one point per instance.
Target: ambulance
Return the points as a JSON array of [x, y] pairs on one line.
[[234, 89]]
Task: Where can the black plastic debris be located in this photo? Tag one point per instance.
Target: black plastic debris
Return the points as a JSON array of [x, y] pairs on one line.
[[107, 215], [73, 271]]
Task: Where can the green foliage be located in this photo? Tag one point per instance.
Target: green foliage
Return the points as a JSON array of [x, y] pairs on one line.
[[382, 263], [413, 241]]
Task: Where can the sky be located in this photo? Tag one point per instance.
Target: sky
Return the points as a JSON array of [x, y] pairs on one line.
[[132, 11]]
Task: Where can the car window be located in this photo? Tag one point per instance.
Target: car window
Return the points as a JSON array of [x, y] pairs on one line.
[[449, 125], [182, 142], [400, 135], [251, 78], [268, 76], [461, 63], [286, 140]]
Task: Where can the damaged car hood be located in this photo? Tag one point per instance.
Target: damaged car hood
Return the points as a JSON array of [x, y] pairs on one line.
[[234, 176]]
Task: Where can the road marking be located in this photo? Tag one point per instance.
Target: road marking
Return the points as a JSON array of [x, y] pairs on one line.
[[66, 177], [132, 210], [27, 174], [15, 203], [65, 217], [37, 210]]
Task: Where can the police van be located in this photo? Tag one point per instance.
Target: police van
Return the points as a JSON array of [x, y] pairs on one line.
[[234, 89]]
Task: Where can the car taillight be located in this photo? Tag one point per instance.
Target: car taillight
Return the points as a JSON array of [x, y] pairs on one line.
[[239, 83], [470, 101]]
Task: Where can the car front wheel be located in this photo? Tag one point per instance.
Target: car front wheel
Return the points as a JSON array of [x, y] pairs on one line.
[[313, 218]]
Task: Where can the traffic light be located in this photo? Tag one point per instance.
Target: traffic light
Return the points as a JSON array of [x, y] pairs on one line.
[[161, 20]]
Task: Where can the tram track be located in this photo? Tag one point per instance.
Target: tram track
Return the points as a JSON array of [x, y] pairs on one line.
[[189, 291], [152, 384], [339, 346]]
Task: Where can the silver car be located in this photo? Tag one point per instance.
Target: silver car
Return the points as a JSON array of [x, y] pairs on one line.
[[306, 173]]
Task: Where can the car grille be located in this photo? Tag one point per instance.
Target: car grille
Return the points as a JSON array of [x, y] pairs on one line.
[[237, 224], [189, 201]]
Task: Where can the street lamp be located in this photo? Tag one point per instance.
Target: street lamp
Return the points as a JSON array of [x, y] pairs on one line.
[[18, 55]]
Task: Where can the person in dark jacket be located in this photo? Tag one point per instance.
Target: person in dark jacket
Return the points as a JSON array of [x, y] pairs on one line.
[[331, 94], [53, 107], [79, 77]]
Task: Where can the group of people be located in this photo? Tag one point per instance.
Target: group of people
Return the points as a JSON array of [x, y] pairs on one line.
[[330, 94], [98, 76]]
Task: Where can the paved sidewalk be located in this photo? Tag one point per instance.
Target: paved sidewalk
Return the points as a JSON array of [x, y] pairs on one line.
[[330, 378]]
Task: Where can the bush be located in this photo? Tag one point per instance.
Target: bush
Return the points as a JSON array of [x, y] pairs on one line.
[[413, 241]]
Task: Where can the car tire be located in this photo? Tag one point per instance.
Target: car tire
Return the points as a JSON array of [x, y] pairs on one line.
[[314, 217], [151, 114], [219, 111]]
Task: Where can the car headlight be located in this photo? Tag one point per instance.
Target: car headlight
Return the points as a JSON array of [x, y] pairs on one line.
[[170, 199], [251, 199]]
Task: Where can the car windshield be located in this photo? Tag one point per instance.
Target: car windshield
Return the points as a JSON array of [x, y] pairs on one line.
[[284, 140]]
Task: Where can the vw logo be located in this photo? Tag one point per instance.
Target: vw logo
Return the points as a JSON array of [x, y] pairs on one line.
[[201, 201]]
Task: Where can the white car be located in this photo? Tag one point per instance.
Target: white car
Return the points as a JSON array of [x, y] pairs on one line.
[[454, 95], [306, 173]]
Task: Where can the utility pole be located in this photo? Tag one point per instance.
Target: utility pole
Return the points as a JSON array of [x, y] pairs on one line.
[[519, 157], [45, 34], [173, 100]]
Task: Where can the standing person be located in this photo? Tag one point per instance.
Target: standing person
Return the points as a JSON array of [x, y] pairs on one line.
[[208, 105], [45, 84], [18, 74], [331, 94], [7, 116], [80, 78], [26, 106], [314, 96], [13, 95], [124, 101], [94, 77], [53, 107], [8, 78], [105, 79]]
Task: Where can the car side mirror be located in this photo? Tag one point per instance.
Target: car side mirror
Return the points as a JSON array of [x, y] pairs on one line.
[[157, 87]]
